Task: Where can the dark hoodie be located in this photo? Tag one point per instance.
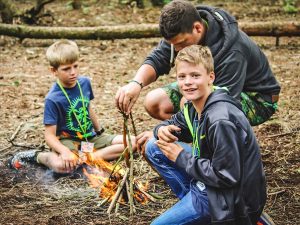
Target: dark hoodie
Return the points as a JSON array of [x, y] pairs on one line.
[[229, 163], [239, 63]]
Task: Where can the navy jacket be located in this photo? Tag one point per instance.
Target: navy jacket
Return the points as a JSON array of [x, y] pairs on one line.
[[239, 63], [230, 162]]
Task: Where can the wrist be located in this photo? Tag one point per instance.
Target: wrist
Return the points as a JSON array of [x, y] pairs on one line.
[[139, 83], [99, 132]]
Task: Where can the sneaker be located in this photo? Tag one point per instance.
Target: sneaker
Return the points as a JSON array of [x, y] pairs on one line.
[[265, 219], [22, 158]]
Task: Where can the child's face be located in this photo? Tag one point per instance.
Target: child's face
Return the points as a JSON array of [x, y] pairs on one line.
[[194, 81], [67, 74]]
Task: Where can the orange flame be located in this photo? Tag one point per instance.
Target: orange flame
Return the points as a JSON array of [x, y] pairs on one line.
[[99, 176]]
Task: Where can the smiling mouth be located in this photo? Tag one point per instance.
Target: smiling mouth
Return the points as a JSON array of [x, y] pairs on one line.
[[189, 90]]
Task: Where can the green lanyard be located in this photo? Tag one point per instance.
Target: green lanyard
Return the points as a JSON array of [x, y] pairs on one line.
[[73, 110], [193, 131], [195, 142]]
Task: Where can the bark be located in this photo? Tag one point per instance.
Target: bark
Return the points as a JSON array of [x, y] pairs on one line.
[[9, 11], [276, 29]]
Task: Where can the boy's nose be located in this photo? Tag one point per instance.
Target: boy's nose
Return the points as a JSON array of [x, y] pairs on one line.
[[187, 80], [73, 70]]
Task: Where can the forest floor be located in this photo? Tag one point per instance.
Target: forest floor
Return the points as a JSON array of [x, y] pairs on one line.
[[34, 195]]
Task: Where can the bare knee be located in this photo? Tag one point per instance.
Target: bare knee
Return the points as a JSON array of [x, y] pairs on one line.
[[158, 105]]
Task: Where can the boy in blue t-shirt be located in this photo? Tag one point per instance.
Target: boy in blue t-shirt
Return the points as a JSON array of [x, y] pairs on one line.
[[71, 125]]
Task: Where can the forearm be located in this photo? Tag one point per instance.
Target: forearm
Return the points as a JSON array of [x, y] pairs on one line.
[[179, 121], [54, 143], [94, 119], [145, 75]]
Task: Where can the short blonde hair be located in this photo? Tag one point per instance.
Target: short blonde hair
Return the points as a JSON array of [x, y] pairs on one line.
[[197, 55], [62, 52]]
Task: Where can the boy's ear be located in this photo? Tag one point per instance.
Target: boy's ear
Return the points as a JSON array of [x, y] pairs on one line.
[[212, 78], [53, 70]]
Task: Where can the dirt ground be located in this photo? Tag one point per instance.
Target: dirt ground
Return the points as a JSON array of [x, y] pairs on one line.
[[34, 195]]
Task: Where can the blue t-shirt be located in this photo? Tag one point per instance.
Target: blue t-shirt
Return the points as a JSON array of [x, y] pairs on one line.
[[59, 112]]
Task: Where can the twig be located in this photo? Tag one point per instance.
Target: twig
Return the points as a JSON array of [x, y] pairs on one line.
[[31, 146], [116, 196], [118, 203], [118, 162], [3, 149], [144, 192], [283, 134], [277, 192], [131, 166], [126, 152], [16, 132], [103, 201], [128, 194], [133, 125]]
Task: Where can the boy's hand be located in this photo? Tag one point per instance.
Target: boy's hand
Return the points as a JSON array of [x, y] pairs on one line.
[[142, 139], [170, 150], [164, 133], [127, 96], [69, 159]]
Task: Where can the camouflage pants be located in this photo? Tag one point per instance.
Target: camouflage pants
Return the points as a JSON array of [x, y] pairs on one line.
[[254, 106]]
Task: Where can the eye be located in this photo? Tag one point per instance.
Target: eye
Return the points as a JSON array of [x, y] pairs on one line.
[[66, 69], [180, 76], [196, 75]]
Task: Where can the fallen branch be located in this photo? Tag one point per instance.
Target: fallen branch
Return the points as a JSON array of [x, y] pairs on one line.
[[283, 134], [275, 29], [16, 132], [29, 146]]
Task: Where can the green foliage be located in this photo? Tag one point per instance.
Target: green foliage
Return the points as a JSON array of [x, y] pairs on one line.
[[85, 10], [160, 2], [69, 5], [289, 6], [14, 83]]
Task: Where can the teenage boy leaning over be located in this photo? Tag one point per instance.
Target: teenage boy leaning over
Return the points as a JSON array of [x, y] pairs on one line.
[[71, 125], [220, 179]]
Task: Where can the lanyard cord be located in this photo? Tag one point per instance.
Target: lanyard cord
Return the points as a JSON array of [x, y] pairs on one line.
[[73, 110], [194, 132], [195, 141]]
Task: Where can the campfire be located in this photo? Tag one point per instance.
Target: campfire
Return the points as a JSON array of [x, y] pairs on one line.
[[115, 183], [108, 179]]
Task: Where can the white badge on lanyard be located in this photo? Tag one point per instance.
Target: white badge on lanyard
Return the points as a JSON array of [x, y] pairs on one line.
[[87, 146]]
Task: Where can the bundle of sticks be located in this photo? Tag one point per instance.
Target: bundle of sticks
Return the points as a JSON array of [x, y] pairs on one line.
[[116, 184]]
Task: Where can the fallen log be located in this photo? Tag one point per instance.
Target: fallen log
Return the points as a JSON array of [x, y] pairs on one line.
[[275, 29]]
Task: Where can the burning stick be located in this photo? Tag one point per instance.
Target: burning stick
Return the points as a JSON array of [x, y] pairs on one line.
[[116, 196]]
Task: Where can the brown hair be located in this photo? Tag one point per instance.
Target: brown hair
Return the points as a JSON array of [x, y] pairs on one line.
[[177, 17], [62, 52]]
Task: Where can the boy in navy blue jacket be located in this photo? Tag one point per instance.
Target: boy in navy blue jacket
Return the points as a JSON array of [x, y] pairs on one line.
[[220, 178]]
